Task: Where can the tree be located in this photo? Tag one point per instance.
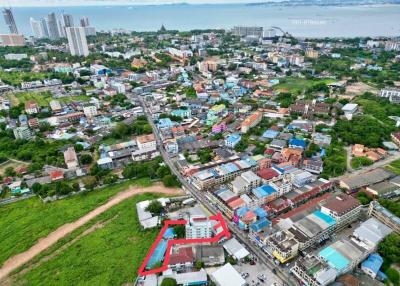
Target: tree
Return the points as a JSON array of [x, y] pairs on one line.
[[90, 182], [363, 198], [155, 207], [10, 172], [393, 276], [170, 181], [110, 179], [199, 264], [86, 159], [180, 230], [389, 248], [168, 282]]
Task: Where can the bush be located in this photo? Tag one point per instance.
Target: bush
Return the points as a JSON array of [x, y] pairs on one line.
[[393, 276], [168, 282], [359, 162], [155, 207], [86, 159]]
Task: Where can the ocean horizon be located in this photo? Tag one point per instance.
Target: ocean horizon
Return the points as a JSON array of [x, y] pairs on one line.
[[300, 21]]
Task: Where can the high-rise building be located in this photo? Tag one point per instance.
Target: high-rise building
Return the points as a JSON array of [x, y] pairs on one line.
[[10, 21], [90, 31], [84, 22], [45, 28], [61, 29], [67, 20], [77, 41], [52, 26], [244, 31], [37, 28]]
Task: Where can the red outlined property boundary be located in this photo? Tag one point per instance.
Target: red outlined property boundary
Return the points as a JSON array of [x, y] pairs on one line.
[[218, 217]]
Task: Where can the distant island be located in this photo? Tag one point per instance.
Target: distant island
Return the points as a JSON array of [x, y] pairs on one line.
[[325, 3]]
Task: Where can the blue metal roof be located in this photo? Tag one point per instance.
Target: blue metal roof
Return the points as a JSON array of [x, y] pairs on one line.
[[373, 262], [263, 191], [261, 213], [260, 224], [242, 211], [298, 142]]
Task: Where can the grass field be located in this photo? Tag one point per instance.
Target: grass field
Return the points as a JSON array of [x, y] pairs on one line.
[[394, 167], [23, 223], [42, 98], [10, 163], [298, 85], [110, 255]]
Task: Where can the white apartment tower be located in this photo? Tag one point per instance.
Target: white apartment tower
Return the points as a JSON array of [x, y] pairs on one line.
[[77, 41]]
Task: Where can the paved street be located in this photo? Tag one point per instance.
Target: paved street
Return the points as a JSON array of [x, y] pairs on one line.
[[200, 197]]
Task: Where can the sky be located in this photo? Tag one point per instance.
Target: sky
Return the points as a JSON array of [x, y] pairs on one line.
[[33, 3]]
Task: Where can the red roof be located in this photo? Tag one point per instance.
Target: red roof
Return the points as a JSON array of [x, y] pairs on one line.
[[56, 175], [267, 174], [269, 152], [183, 255]]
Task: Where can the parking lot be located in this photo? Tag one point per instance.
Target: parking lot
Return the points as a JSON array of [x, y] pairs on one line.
[[255, 271]]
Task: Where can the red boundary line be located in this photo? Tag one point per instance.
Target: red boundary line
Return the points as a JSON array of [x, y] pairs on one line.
[[142, 269]]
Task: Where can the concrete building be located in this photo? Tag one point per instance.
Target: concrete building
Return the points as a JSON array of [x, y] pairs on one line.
[[22, 133], [251, 121], [52, 26], [10, 21], [12, 40], [90, 111], [392, 94], [243, 31], [77, 41], [343, 208], [232, 140], [384, 216], [37, 28], [227, 275], [245, 183], [349, 110], [199, 228], [70, 158], [372, 265]]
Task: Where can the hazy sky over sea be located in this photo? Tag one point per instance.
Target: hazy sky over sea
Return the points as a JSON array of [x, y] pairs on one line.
[[31, 3]]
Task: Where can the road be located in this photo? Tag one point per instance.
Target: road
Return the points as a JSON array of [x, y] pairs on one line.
[[200, 197], [392, 157]]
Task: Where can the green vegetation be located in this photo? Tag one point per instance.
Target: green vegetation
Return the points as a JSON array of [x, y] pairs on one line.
[[205, 155], [335, 161], [42, 98], [139, 127], [363, 198], [392, 206], [379, 108], [394, 167], [389, 249], [359, 162], [153, 169], [155, 207], [16, 78], [38, 152], [168, 282], [362, 129], [180, 230], [297, 85], [23, 223], [110, 255]]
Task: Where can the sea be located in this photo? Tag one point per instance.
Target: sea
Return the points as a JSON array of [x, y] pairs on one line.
[[300, 21]]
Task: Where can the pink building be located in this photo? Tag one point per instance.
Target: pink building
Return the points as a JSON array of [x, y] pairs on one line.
[[219, 127]]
